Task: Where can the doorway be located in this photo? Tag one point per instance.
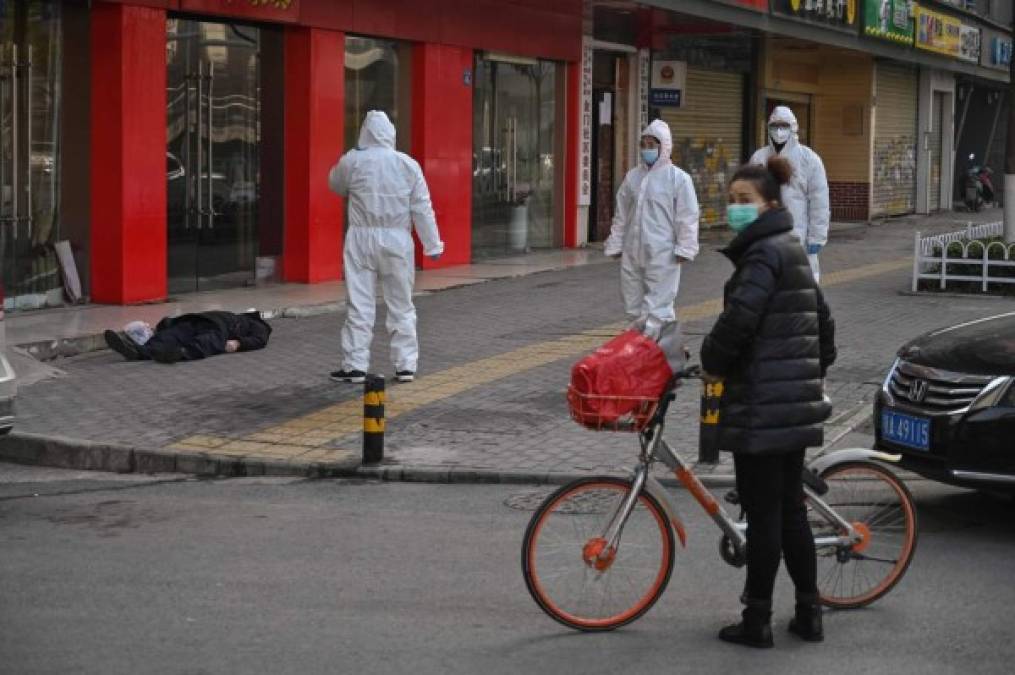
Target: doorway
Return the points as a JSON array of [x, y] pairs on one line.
[[213, 154], [30, 71], [604, 103], [515, 151], [935, 154]]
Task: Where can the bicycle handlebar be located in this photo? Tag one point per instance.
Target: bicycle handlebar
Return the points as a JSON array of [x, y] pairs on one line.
[[688, 373]]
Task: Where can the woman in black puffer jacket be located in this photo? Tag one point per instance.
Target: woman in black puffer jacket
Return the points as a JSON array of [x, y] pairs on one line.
[[771, 347]]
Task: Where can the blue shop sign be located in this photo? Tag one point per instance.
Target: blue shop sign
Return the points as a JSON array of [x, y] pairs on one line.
[[665, 97], [1000, 51]]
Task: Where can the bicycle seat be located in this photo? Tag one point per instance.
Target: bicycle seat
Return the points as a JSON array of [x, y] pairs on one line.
[[814, 481]]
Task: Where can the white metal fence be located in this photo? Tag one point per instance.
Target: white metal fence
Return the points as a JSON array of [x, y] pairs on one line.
[[961, 256]]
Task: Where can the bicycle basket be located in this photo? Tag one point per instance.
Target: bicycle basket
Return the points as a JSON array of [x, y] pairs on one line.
[[610, 413]]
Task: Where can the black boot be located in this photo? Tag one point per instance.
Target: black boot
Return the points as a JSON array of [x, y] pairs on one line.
[[122, 344], [807, 622], [755, 630]]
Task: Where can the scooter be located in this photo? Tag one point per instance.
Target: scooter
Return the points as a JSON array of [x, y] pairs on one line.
[[979, 185]]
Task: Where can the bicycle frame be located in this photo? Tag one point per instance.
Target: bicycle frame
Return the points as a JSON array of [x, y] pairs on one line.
[[654, 448]]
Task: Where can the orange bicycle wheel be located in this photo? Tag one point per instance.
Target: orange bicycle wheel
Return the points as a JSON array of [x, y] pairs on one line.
[[880, 507], [568, 569]]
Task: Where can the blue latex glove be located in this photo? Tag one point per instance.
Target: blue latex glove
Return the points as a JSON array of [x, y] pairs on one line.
[[813, 249], [435, 257]]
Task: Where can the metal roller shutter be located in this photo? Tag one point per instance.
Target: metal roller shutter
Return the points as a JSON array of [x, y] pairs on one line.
[[895, 138], [707, 133]]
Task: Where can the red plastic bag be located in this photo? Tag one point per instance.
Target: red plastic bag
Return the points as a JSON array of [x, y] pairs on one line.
[[622, 379]]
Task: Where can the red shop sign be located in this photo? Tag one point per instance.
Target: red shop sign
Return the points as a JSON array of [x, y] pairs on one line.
[[287, 11]]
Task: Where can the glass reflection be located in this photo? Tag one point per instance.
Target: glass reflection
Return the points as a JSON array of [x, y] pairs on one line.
[[377, 77], [212, 154], [514, 157], [30, 70]]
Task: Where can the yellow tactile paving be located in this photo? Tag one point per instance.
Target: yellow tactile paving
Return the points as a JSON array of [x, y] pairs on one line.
[[203, 442], [865, 271], [301, 438]]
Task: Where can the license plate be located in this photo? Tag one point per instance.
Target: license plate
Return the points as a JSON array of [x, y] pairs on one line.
[[907, 430]]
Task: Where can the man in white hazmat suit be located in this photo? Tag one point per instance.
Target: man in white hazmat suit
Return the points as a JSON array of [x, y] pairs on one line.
[[387, 195], [806, 194], [655, 231]]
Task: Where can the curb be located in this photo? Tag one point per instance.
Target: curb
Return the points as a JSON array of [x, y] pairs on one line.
[[70, 453], [463, 475], [49, 350]]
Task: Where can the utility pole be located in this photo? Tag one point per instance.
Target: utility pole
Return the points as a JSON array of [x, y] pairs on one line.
[[1009, 164]]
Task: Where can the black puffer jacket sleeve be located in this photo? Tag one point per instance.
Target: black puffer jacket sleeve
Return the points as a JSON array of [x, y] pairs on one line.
[[253, 333], [746, 298], [826, 332]]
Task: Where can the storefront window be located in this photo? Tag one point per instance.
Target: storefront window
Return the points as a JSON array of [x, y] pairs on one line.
[[377, 77], [30, 64], [514, 157]]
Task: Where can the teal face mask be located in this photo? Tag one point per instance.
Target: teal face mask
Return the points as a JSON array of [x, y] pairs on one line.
[[739, 216], [650, 155]]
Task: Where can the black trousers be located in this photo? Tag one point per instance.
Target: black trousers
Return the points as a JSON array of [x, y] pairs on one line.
[[183, 341], [771, 493]]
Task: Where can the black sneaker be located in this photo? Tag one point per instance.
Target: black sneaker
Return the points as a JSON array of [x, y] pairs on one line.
[[351, 376], [405, 375], [123, 345]]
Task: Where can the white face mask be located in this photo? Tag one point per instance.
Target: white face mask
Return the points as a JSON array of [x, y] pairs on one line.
[[779, 134]]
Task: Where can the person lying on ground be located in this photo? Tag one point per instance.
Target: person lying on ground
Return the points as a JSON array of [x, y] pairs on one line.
[[191, 336]]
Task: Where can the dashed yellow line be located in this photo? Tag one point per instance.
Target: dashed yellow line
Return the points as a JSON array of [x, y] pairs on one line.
[[305, 436]]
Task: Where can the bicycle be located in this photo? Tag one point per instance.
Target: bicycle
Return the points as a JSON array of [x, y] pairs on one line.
[[598, 553]]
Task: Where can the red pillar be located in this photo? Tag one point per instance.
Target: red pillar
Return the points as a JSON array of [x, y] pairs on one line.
[[442, 142], [128, 153], [573, 123], [314, 97]]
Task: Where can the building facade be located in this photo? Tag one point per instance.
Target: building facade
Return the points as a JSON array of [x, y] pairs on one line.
[[184, 145], [173, 146]]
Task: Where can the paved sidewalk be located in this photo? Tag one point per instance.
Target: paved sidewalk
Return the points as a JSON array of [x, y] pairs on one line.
[[73, 330], [489, 402]]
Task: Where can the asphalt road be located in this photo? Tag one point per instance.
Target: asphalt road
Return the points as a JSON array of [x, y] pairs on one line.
[[135, 574]]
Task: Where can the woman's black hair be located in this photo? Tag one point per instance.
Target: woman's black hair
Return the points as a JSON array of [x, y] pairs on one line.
[[767, 180]]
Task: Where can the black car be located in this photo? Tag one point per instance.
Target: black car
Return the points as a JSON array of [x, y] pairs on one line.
[[948, 405]]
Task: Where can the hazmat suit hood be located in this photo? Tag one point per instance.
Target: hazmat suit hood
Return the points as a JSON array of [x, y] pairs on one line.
[[377, 131], [660, 131], [784, 115], [806, 194]]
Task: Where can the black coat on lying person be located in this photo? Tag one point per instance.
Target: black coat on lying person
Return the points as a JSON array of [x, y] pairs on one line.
[[196, 336]]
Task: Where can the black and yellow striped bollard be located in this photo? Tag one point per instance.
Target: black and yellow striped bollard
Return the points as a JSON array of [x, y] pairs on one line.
[[373, 419], [708, 434]]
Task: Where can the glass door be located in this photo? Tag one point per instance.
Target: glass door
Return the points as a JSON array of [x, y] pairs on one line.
[[30, 44], [212, 154], [514, 156]]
